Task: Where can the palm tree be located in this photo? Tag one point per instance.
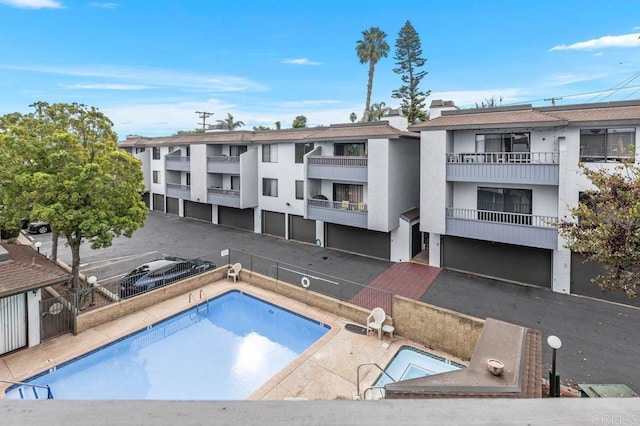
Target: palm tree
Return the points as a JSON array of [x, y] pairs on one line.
[[229, 124], [371, 49], [353, 117], [378, 111]]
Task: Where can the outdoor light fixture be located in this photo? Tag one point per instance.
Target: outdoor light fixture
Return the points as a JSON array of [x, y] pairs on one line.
[[554, 379], [37, 245], [92, 280]]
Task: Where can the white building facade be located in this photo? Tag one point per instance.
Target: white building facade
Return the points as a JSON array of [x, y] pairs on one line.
[[494, 181], [353, 187]]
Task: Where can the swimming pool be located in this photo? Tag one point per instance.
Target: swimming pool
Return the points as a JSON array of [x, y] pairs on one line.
[[411, 363], [221, 350]]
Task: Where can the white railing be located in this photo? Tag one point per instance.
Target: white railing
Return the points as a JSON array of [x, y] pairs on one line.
[[179, 158], [223, 159], [339, 205], [503, 157], [337, 161], [220, 191], [502, 217], [179, 186]]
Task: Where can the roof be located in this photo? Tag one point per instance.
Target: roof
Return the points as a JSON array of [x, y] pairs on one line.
[[373, 130], [528, 116], [27, 270]]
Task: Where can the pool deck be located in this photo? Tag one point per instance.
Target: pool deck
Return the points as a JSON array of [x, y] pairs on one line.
[[325, 371]]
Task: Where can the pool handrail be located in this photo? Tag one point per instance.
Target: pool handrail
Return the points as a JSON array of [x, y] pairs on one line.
[[358, 375], [33, 385]]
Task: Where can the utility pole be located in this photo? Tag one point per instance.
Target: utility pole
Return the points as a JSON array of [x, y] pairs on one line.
[[204, 115], [552, 100]]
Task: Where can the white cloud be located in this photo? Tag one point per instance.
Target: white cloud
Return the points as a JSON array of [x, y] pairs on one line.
[[304, 104], [33, 4], [300, 61], [104, 5], [471, 97], [553, 80], [626, 40], [105, 86], [151, 77]]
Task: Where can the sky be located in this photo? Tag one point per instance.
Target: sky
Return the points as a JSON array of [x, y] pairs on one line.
[[151, 65]]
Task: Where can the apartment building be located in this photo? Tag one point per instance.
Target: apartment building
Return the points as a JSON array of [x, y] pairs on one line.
[[494, 181], [353, 187]]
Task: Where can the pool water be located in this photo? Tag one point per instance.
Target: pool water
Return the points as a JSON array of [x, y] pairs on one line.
[[221, 350], [411, 363]]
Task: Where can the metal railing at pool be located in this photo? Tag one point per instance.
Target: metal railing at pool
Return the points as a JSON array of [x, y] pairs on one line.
[[315, 281], [33, 386], [371, 387]]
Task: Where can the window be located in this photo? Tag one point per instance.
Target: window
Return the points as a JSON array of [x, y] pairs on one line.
[[607, 145], [188, 151], [156, 152], [171, 149], [270, 153], [235, 183], [505, 205], [301, 150], [503, 142], [188, 179], [351, 193], [350, 149], [270, 187], [139, 150], [156, 176], [236, 150], [299, 190]]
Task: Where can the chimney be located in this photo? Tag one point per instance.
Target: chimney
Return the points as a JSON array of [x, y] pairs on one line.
[[437, 106]]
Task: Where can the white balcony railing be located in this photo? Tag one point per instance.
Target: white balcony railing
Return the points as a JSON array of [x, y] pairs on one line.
[[502, 217], [223, 159], [340, 161], [503, 157]]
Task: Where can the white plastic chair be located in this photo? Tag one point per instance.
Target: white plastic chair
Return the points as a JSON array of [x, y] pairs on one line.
[[234, 271], [375, 320]]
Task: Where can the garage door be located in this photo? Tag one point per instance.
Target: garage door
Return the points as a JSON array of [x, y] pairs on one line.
[[236, 218], [145, 199], [200, 211], [273, 223], [173, 205], [158, 202], [503, 261], [13, 319], [358, 240], [301, 229]]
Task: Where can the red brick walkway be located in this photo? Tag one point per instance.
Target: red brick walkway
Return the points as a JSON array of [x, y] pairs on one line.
[[405, 279]]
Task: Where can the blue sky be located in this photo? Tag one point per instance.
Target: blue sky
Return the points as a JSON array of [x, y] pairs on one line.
[[150, 65]]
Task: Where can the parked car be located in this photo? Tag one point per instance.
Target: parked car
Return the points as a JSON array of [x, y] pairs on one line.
[[160, 272], [38, 227]]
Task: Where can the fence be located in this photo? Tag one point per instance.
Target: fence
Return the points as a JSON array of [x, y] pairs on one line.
[[328, 285]]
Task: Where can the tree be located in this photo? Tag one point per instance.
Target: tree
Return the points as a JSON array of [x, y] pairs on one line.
[[371, 49], [353, 117], [378, 110], [299, 122], [188, 132], [409, 59], [229, 124], [67, 170], [605, 226], [259, 128], [278, 125], [490, 102]]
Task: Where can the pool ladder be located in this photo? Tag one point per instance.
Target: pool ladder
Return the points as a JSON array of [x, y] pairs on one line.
[[34, 388], [376, 392], [201, 307]]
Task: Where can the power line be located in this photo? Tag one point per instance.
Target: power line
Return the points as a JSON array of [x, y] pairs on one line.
[[618, 87], [571, 95], [204, 115]]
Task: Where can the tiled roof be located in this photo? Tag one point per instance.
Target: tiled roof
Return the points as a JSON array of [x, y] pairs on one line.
[[378, 129], [526, 115], [27, 270]]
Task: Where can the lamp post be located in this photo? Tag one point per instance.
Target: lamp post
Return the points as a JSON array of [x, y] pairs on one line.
[[92, 280], [554, 379], [37, 245]]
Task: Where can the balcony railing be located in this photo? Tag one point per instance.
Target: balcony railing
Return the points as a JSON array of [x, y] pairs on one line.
[[351, 169], [176, 190], [503, 157], [223, 164], [340, 212], [535, 168], [224, 197], [179, 163], [512, 228]]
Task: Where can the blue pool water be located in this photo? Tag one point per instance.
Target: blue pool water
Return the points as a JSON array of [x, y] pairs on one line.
[[223, 350], [411, 363]]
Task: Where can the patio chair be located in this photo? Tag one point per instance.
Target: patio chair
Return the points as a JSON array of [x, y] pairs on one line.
[[234, 271], [375, 320]]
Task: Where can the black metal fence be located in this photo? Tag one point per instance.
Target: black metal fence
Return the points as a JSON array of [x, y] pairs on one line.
[[319, 282]]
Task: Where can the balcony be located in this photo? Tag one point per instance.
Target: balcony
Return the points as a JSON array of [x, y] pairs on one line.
[[540, 168], [175, 190], [177, 163], [223, 164], [224, 197], [511, 228], [339, 212], [350, 169]]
